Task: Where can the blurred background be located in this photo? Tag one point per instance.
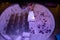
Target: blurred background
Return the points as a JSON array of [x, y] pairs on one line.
[[53, 6]]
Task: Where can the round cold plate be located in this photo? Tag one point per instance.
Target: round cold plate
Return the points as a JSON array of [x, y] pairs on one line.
[[39, 24]]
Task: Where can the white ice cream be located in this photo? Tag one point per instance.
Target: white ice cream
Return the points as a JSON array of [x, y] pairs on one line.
[[31, 16]]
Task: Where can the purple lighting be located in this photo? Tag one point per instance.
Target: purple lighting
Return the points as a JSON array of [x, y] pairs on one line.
[[19, 24]]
